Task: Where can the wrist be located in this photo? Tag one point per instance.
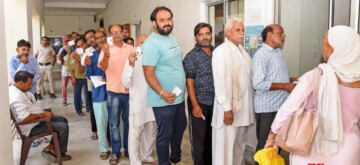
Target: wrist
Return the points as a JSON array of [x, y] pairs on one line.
[[162, 91]]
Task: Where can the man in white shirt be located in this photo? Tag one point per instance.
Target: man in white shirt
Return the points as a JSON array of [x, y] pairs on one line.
[[24, 108], [233, 105], [45, 55], [142, 125]]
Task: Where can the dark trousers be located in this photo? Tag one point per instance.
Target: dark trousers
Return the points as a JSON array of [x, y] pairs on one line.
[[60, 126], [92, 115], [171, 122], [263, 127], [80, 83], [200, 134]]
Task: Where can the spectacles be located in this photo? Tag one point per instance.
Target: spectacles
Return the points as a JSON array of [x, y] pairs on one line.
[[116, 32]]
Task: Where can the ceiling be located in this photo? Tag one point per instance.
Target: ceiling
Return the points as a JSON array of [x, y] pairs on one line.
[[74, 7]]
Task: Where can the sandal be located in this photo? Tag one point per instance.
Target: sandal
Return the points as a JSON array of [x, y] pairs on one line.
[[65, 157], [104, 155], [114, 159], [94, 136], [49, 156]]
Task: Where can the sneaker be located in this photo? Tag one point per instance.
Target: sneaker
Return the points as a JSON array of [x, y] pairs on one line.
[[52, 95], [81, 114], [39, 96]]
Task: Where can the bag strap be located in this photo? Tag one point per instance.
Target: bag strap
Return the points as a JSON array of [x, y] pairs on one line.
[[317, 74]]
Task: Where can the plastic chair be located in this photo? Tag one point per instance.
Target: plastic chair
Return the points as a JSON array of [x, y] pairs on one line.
[[26, 141]]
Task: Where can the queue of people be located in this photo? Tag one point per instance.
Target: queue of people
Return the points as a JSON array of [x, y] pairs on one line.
[[227, 92]]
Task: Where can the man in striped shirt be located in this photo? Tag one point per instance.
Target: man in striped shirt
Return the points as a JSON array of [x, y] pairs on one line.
[[270, 80]]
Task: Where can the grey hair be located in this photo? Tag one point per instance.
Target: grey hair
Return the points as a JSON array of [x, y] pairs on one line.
[[231, 21]]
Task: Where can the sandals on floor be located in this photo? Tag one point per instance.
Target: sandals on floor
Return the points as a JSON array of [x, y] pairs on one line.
[[94, 136], [114, 159], [104, 155], [65, 157]]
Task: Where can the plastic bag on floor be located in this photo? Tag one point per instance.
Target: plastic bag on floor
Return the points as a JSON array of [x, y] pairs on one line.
[[268, 156]]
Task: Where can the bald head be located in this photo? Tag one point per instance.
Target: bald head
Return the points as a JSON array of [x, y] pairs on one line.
[[140, 40]]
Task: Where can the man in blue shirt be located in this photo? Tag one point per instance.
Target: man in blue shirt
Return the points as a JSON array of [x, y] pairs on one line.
[[164, 72], [270, 80], [99, 96], [201, 91], [22, 61]]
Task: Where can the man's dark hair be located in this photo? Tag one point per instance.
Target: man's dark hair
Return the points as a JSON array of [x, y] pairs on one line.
[[75, 33], [156, 10], [22, 76], [264, 33], [47, 38], [88, 31], [128, 38], [80, 38], [200, 26], [22, 43], [115, 25]]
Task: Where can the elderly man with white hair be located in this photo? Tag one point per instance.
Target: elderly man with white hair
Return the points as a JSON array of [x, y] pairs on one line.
[[233, 105]]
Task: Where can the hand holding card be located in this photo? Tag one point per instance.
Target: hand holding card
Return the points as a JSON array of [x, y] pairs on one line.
[[177, 91], [71, 43], [109, 40]]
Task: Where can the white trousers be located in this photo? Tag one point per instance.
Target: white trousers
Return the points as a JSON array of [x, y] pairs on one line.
[[228, 145], [45, 71], [141, 142]]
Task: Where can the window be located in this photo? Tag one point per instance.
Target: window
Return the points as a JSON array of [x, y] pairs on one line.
[[219, 12]]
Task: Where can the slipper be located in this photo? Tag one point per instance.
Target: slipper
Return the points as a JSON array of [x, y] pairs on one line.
[[153, 162], [65, 157], [49, 156], [104, 155], [36, 143], [94, 136], [114, 159]]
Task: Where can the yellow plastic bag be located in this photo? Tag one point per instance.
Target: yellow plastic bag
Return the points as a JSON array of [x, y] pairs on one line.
[[268, 156]]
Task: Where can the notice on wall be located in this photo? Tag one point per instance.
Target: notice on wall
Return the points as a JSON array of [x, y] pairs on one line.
[[254, 16], [253, 39]]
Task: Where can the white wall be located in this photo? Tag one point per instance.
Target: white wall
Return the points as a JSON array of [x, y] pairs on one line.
[[62, 25], [6, 150], [304, 29], [186, 16]]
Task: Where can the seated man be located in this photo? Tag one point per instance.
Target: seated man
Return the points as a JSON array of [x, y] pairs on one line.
[[24, 108]]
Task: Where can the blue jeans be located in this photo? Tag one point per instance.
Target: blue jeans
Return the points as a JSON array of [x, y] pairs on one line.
[[171, 122], [80, 83], [118, 105]]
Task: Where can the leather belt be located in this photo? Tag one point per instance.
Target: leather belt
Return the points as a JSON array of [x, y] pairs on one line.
[[44, 64]]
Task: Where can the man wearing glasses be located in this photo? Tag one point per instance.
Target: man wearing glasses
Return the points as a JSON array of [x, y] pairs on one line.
[[112, 61]]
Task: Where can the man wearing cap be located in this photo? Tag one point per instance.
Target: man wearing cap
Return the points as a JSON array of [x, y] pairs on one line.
[[46, 58], [65, 75]]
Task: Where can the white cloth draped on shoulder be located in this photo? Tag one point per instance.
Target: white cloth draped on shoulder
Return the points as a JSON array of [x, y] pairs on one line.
[[344, 63]]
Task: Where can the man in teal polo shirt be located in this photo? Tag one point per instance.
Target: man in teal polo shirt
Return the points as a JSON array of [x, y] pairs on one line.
[[164, 72]]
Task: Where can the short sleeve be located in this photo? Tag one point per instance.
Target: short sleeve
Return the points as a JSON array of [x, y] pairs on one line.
[[189, 63], [151, 54]]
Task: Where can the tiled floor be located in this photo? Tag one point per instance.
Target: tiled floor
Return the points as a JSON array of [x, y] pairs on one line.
[[83, 150]]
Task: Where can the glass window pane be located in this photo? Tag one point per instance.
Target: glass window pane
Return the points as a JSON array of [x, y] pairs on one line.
[[216, 20], [236, 9]]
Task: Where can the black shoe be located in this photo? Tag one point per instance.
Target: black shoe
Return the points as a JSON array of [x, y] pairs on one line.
[[52, 95], [39, 96], [65, 103]]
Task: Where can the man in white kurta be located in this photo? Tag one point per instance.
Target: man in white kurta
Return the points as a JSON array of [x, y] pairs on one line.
[[233, 105], [142, 125]]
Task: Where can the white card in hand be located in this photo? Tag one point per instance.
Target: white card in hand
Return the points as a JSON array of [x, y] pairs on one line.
[[109, 40], [176, 91], [79, 51], [71, 43], [89, 51]]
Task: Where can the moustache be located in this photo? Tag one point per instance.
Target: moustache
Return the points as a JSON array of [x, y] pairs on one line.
[[167, 26]]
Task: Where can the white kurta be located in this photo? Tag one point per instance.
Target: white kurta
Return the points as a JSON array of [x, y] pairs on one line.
[[226, 143], [142, 126]]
